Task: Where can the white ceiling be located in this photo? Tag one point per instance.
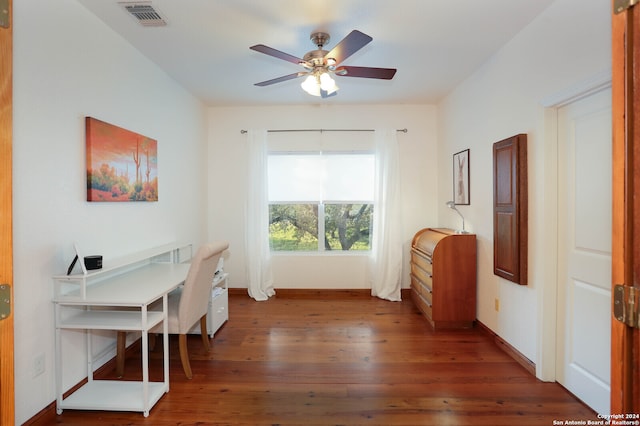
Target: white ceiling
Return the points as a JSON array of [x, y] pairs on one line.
[[434, 44]]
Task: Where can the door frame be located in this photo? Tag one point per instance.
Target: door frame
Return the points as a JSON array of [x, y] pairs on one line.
[[7, 379], [625, 341], [548, 291]]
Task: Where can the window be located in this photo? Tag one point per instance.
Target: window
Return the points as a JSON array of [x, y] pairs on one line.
[[320, 201]]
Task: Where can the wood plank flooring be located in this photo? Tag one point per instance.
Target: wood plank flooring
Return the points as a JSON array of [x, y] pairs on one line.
[[341, 359]]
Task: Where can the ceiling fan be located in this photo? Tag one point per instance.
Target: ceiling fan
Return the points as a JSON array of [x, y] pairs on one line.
[[320, 64]]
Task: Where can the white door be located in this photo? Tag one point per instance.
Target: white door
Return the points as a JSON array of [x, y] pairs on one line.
[[584, 249]]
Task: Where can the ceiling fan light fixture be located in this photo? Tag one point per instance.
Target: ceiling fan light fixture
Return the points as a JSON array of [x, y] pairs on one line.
[[319, 64], [311, 85], [334, 89], [327, 83]]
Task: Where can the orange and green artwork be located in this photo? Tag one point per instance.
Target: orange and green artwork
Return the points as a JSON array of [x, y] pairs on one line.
[[121, 165]]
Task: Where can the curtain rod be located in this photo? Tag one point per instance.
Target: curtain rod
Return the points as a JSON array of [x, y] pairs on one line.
[[322, 130]]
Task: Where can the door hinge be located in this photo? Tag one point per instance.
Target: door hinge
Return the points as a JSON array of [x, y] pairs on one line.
[[5, 301], [626, 305], [620, 6], [4, 14]]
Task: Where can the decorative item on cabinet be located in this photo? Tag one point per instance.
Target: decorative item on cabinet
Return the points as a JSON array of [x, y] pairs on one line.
[[452, 206], [443, 277]]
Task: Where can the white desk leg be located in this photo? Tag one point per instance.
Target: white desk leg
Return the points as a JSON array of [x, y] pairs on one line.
[[145, 362], [58, 355], [88, 333], [165, 339]]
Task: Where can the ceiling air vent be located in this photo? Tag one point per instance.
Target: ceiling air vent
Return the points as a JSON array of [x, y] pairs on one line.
[[145, 13]]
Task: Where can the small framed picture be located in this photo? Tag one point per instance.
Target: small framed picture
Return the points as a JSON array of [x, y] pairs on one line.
[[461, 190]]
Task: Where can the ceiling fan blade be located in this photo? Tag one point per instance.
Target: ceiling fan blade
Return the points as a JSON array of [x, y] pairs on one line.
[[366, 72], [280, 79], [276, 53], [349, 45]]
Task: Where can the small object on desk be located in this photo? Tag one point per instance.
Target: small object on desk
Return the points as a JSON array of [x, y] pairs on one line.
[[92, 262], [73, 263], [78, 255]]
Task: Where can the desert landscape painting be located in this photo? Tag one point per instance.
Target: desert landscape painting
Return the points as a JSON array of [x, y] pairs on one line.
[[121, 165]]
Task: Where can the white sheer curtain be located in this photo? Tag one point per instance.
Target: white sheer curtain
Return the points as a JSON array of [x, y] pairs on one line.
[[258, 256], [385, 266]]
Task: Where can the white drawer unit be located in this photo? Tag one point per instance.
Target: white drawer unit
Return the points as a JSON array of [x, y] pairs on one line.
[[218, 309], [218, 312]]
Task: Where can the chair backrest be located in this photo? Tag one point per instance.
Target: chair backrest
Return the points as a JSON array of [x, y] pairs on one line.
[[194, 300]]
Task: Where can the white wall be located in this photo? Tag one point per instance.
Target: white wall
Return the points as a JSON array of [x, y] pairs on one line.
[[227, 180], [567, 44], [68, 65]]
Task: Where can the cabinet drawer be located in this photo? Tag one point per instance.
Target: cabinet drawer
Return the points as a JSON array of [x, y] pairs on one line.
[[422, 275], [422, 289], [422, 261], [422, 304], [218, 311]]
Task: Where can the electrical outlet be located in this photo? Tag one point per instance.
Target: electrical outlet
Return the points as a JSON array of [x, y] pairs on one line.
[[38, 365], [497, 304]]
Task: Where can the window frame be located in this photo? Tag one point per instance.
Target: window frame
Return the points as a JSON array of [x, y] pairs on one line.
[[321, 235]]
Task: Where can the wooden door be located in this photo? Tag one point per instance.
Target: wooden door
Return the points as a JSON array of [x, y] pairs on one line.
[[625, 340], [584, 248], [7, 410]]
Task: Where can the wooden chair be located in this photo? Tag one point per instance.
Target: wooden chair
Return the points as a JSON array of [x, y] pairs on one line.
[[186, 305]]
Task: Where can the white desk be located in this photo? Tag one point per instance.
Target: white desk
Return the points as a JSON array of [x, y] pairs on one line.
[[116, 301]]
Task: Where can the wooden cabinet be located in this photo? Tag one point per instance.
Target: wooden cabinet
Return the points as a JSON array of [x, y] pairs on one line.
[[443, 277], [510, 209]]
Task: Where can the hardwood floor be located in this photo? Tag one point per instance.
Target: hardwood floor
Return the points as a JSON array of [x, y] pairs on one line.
[[342, 359]]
